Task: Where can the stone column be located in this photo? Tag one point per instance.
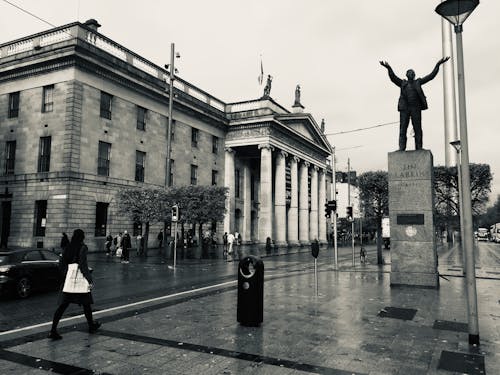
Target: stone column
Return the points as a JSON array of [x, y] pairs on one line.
[[280, 199], [293, 212], [247, 204], [303, 205], [229, 183], [266, 193], [313, 217], [322, 200]]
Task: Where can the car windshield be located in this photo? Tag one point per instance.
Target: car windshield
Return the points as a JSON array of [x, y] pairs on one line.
[[4, 259]]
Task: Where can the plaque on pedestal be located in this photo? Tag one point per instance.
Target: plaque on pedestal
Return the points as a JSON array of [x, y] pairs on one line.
[[411, 211]]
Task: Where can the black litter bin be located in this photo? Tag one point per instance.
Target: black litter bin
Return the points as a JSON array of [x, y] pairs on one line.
[[250, 310]]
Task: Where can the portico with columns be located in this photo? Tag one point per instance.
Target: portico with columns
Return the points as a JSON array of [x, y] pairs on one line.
[[277, 172]]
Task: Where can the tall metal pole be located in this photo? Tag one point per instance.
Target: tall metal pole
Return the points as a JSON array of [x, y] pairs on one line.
[[470, 276], [170, 110], [450, 110], [349, 204], [334, 197], [461, 213]]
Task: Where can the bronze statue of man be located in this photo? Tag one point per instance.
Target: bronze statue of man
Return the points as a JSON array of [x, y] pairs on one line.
[[411, 102]]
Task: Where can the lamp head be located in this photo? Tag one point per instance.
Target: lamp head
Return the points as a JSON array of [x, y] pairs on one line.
[[456, 11]]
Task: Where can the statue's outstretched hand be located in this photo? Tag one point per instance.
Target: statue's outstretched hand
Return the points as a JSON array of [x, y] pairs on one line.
[[443, 60], [385, 64]]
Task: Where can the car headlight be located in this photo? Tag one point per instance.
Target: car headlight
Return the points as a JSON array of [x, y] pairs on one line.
[[5, 269]]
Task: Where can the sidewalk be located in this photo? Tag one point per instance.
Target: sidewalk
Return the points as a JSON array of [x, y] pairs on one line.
[[357, 325]]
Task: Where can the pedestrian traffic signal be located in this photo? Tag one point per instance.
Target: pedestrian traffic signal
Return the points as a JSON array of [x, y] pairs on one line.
[[327, 209], [349, 213], [175, 213]]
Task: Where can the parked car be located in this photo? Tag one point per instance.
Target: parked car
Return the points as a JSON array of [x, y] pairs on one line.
[[483, 234], [27, 270]]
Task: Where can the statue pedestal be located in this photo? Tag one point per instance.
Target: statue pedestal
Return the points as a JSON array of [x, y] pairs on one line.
[[411, 212]]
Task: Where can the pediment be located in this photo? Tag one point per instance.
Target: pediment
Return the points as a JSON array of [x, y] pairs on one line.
[[305, 125]]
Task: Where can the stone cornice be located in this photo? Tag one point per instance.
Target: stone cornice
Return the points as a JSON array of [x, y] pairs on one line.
[[97, 62]]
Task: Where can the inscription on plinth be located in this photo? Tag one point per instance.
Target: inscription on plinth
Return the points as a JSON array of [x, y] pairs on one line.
[[411, 212]]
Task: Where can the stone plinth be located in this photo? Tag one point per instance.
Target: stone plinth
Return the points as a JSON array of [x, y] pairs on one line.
[[411, 212]]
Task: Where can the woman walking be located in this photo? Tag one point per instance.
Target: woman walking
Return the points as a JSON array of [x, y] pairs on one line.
[[75, 252]]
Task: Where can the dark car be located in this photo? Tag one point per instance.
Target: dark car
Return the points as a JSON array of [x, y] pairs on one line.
[[24, 271]]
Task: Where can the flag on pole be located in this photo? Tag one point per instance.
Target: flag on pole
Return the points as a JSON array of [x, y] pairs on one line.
[[261, 76]]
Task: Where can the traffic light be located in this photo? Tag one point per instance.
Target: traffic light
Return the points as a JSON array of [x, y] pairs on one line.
[[332, 205], [175, 213], [349, 213], [327, 209]]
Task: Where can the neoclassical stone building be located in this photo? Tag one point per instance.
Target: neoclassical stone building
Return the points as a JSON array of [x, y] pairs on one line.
[[82, 116], [281, 158]]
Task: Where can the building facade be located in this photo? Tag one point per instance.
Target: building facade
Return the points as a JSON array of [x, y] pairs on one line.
[[82, 117]]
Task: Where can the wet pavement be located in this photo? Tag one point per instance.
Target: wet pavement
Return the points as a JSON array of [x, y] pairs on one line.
[[357, 324]]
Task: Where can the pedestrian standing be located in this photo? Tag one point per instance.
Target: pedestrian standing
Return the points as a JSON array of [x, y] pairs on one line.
[[139, 243], [118, 244], [230, 241], [75, 252], [109, 242], [362, 255], [224, 241], [160, 238], [126, 245]]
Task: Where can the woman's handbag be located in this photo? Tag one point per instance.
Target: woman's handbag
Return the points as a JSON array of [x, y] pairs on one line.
[[75, 282]]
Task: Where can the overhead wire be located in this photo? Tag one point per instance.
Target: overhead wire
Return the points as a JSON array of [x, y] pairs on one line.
[[28, 12], [362, 129]]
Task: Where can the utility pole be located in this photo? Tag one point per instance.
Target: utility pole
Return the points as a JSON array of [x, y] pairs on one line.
[[171, 72], [334, 218], [349, 205]]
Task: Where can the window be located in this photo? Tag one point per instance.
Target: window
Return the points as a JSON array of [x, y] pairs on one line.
[[194, 137], [214, 177], [13, 104], [10, 157], [48, 99], [32, 256], [103, 158], [40, 218], [106, 100], [44, 154], [194, 174], [237, 183], [172, 168], [101, 218], [140, 163], [215, 144], [141, 118]]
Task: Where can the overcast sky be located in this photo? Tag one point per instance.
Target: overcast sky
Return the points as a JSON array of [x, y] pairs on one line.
[[331, 48]]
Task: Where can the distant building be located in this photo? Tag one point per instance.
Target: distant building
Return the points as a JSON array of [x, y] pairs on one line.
[[82, 116]]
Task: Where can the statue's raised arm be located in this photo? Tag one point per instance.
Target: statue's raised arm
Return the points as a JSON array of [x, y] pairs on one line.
[[393, 77], [435, 71]]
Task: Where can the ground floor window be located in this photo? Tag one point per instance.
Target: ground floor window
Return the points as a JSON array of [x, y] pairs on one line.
[[40, 218], [101, 218]]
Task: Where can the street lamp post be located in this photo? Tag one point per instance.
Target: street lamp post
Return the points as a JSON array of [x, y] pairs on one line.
[[334, 214], [457, 146], [171, 70], [456, 12]]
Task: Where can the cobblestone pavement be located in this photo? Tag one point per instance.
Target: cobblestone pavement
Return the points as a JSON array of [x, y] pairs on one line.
[[357, 324]]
